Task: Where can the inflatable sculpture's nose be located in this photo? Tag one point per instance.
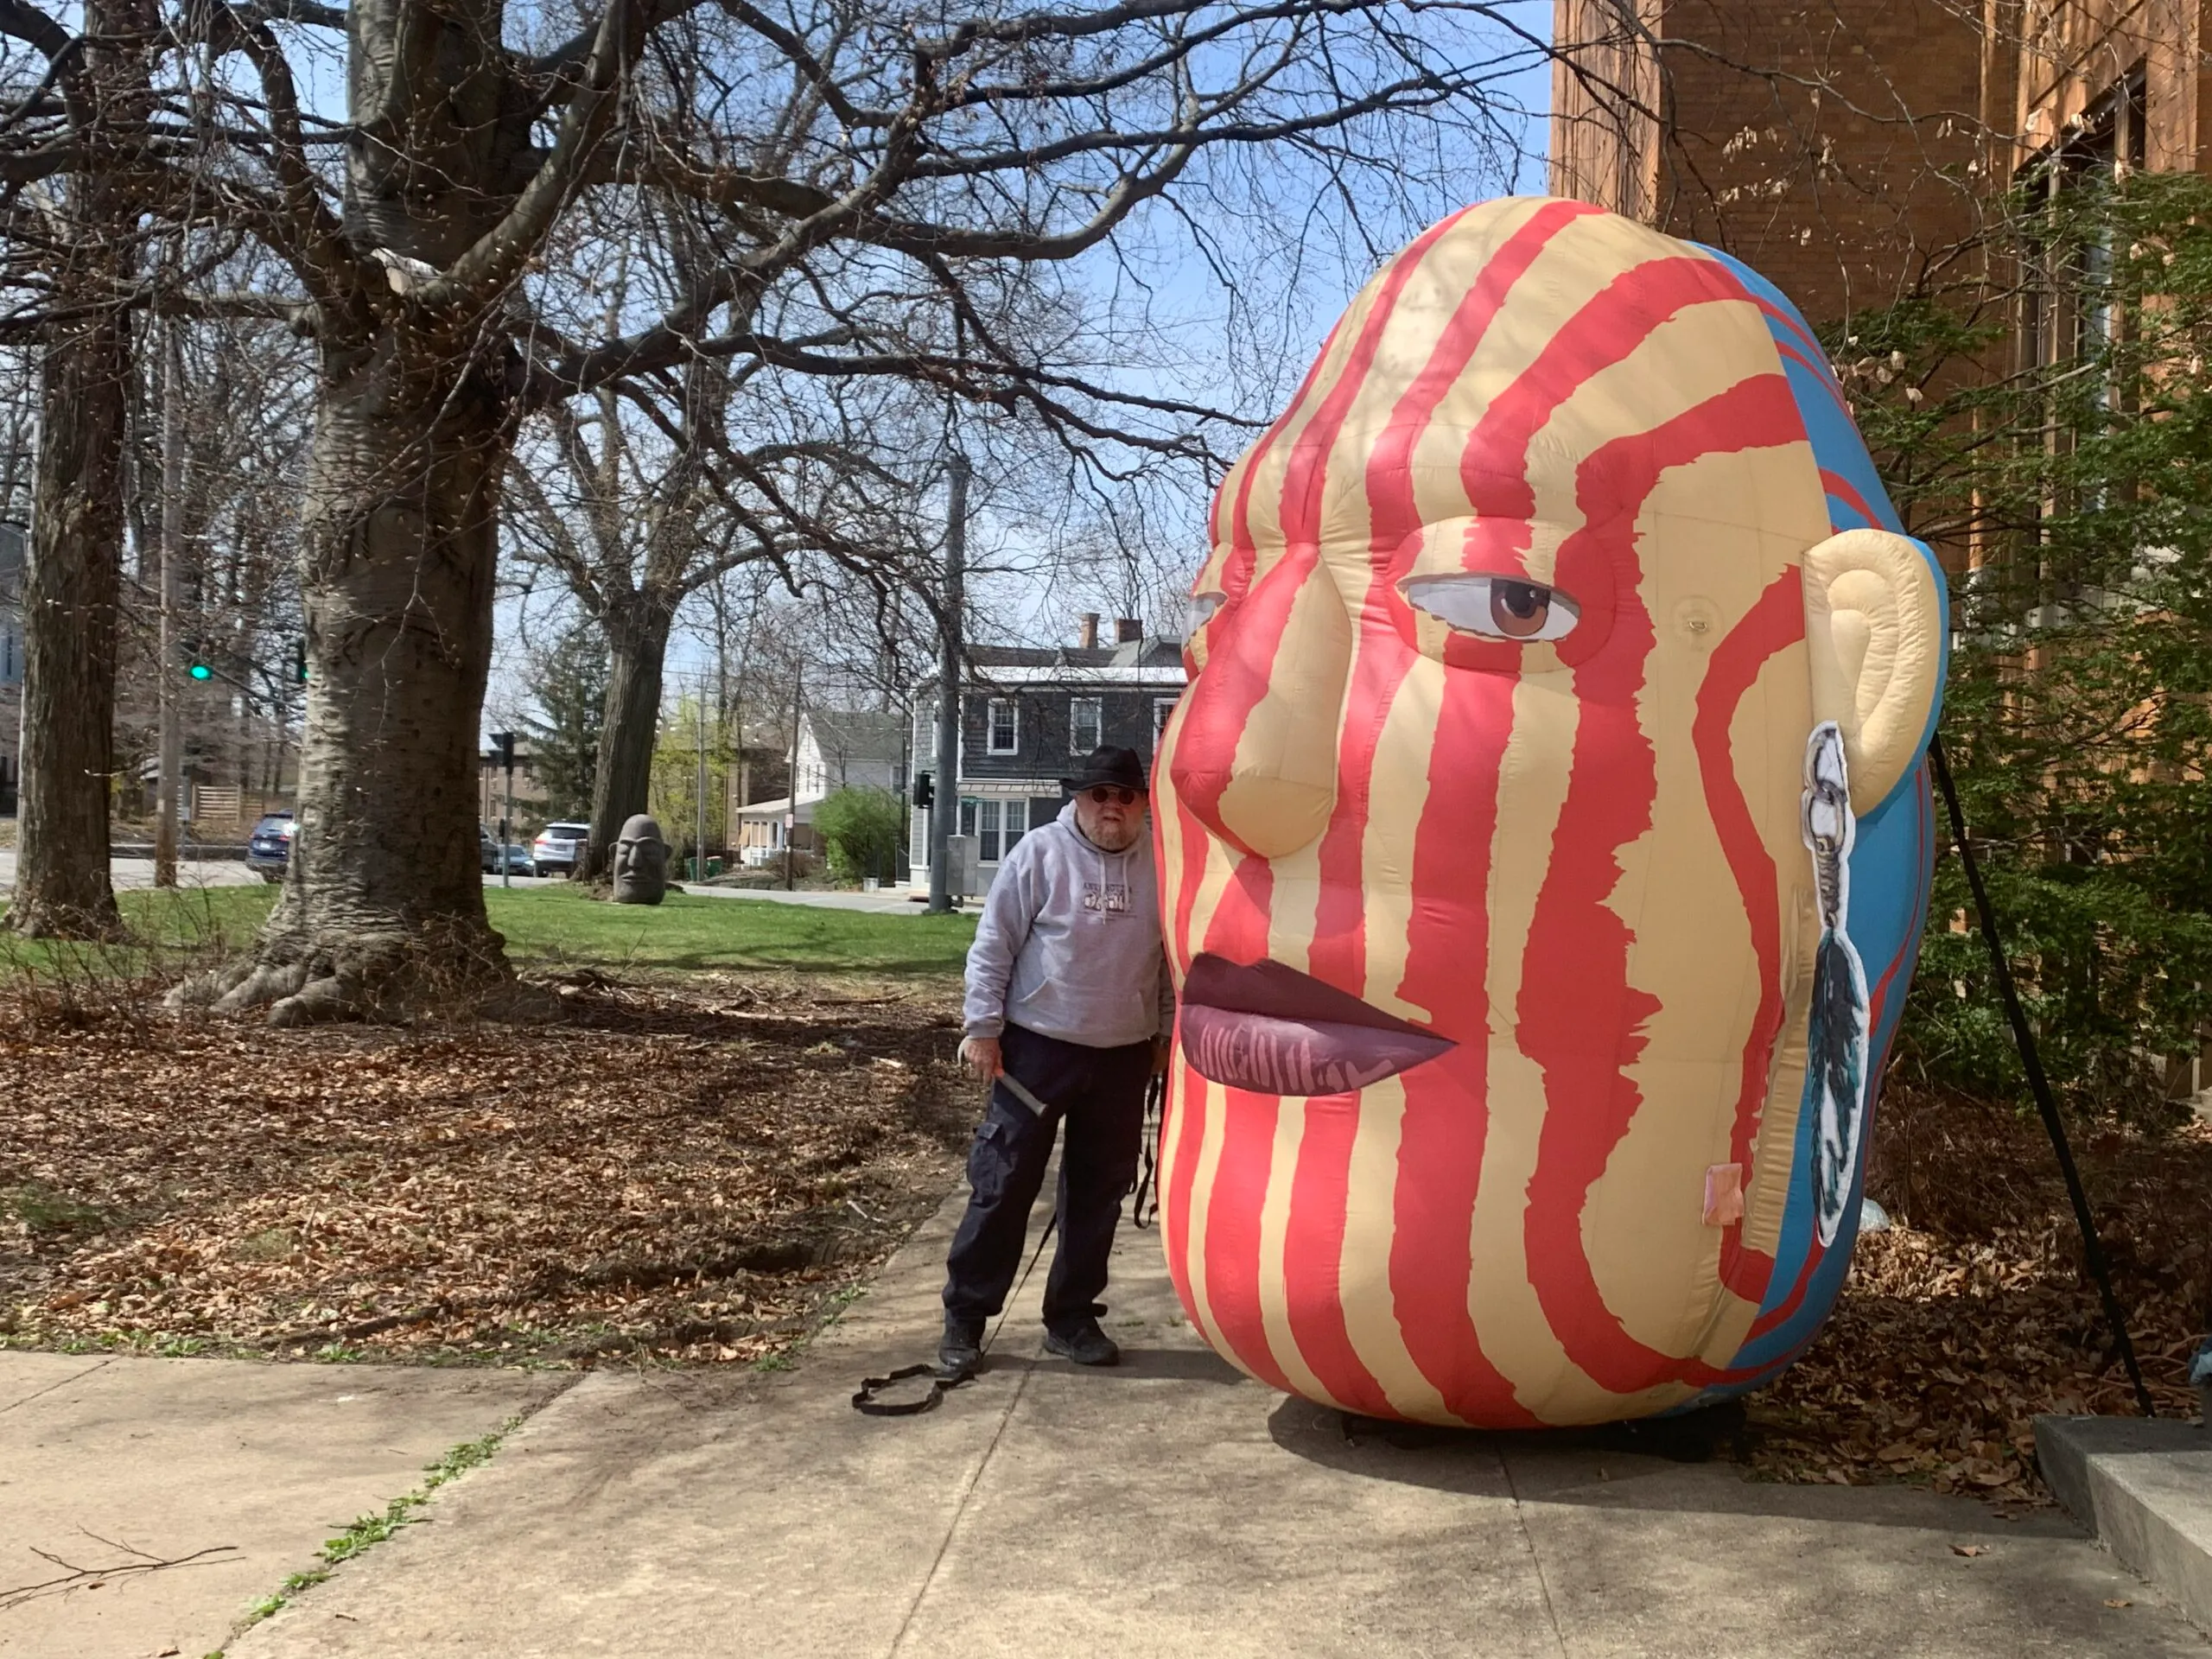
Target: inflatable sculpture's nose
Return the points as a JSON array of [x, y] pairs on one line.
[[1256, 756]]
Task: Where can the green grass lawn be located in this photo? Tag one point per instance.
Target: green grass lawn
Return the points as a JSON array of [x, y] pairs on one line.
[[549, 926]]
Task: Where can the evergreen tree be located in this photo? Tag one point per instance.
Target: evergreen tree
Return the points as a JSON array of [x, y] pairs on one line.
[[563, 738]]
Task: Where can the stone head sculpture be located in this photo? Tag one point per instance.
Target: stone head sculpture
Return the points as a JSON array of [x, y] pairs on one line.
[[1544, 839], [640, 862]]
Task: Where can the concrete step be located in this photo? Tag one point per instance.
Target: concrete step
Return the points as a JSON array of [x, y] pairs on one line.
[[2144, 1489]]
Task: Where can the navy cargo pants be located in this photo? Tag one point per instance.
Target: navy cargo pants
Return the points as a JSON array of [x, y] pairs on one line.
[[1099, 1093]]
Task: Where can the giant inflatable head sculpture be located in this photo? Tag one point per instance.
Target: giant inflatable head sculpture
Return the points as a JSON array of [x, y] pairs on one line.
[[1544, 839]]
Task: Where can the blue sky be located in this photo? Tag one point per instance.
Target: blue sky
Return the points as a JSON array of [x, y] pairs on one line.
[[1241, 350]]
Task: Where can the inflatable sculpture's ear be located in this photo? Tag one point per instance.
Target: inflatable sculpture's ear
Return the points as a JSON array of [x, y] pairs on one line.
[[1874, 627]]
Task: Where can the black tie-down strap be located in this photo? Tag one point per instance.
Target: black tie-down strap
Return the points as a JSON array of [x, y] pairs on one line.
[[864, 1400], [868, 1405], [864, 1397], [1147, 1187], [2093, 1253]]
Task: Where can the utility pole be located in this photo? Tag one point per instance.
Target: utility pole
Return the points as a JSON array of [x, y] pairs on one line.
[[790, 795], [944, 803], [170, 764], [503, 755], [699, 846]]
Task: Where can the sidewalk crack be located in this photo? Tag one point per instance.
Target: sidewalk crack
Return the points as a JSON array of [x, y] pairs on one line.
[[1528, 1543], [975, 1479], [75, 1376]]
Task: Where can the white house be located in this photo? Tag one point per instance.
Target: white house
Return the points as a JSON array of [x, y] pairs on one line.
[[857, 748]]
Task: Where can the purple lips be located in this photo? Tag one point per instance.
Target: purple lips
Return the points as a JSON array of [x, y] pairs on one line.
[[1275, 1031]]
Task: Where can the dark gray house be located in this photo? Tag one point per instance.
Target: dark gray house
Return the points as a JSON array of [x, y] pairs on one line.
[[1026, 713]]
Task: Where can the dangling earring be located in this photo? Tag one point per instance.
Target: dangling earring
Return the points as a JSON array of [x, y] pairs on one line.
[[1839, 1036]]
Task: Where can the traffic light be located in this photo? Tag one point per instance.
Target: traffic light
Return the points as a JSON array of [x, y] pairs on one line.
[[924, 789], [195, 661], [503, 750], [299, 662]]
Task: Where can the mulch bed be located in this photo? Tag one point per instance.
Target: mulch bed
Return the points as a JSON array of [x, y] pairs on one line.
[[696, 1172], [1975, 1312], [689, 1175]]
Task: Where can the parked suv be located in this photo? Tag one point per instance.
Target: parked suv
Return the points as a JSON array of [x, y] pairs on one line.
[[268, 848], [556, 849]]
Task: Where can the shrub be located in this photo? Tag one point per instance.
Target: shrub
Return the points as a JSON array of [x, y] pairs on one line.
[[862, 829]]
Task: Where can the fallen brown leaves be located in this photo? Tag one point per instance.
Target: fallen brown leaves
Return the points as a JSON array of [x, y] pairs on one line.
[[695, 1174], [1975, 1314], [689, 1174]]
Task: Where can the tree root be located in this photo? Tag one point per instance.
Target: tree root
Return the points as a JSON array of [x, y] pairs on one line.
[[386, 977]]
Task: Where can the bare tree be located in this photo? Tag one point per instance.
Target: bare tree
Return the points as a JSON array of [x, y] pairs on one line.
[[839, 162], [246, 403], [75, 234]]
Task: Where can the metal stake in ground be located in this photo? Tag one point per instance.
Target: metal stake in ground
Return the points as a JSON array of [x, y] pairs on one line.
[[2093, 1251]]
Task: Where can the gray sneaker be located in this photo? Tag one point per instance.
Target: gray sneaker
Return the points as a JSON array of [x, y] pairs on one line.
[[1084, 1344]]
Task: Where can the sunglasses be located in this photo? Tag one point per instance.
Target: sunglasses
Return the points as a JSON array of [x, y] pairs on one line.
[[1105, 794]]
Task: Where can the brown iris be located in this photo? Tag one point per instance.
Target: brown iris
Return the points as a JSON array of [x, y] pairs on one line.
[[1519, 609]]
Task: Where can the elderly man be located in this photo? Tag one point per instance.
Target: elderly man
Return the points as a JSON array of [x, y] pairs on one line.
[[1068, 997]]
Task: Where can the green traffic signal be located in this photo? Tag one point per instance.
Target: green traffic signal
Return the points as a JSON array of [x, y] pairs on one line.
[[201, 672]]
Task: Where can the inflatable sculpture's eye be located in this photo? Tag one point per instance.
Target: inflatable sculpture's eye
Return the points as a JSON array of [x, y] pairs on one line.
[[1494, 607], [1203, 606]]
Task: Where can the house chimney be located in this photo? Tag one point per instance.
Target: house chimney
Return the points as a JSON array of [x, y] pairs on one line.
[[1087, 631], [1127, 629]]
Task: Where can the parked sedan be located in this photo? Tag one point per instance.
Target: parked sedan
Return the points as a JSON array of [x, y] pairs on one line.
[[518, 859], [487, 854], [557, 848], [268, 848]]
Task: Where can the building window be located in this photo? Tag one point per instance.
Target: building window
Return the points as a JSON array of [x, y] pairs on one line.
[[1005, 736], [1086, 724], [995, 825], [1161, 708]]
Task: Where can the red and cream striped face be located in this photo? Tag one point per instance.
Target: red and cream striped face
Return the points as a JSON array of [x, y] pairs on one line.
[[1479, 842]]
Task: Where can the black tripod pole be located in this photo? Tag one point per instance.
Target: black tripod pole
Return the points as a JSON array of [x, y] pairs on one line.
[[2093, 1251]]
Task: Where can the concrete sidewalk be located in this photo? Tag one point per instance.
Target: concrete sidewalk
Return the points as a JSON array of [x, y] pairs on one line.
[[2144, 1489], [253, 1463], [1169, 1508]]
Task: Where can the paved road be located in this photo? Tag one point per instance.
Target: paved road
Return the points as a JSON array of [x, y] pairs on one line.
[[139, 871], [1170, 1507], [127, 873]]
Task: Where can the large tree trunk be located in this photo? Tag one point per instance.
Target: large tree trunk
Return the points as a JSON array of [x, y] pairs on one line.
[[637, 643], [382, 912], [69, 620]]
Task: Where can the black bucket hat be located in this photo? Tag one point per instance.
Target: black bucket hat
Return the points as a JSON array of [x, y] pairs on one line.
[[1109, 764]]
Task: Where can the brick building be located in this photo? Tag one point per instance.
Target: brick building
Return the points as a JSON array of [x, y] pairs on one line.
[[2099, 75], [1833, 147]]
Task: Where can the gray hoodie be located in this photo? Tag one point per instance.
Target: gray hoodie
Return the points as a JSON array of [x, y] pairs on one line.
[[1069, 942]]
